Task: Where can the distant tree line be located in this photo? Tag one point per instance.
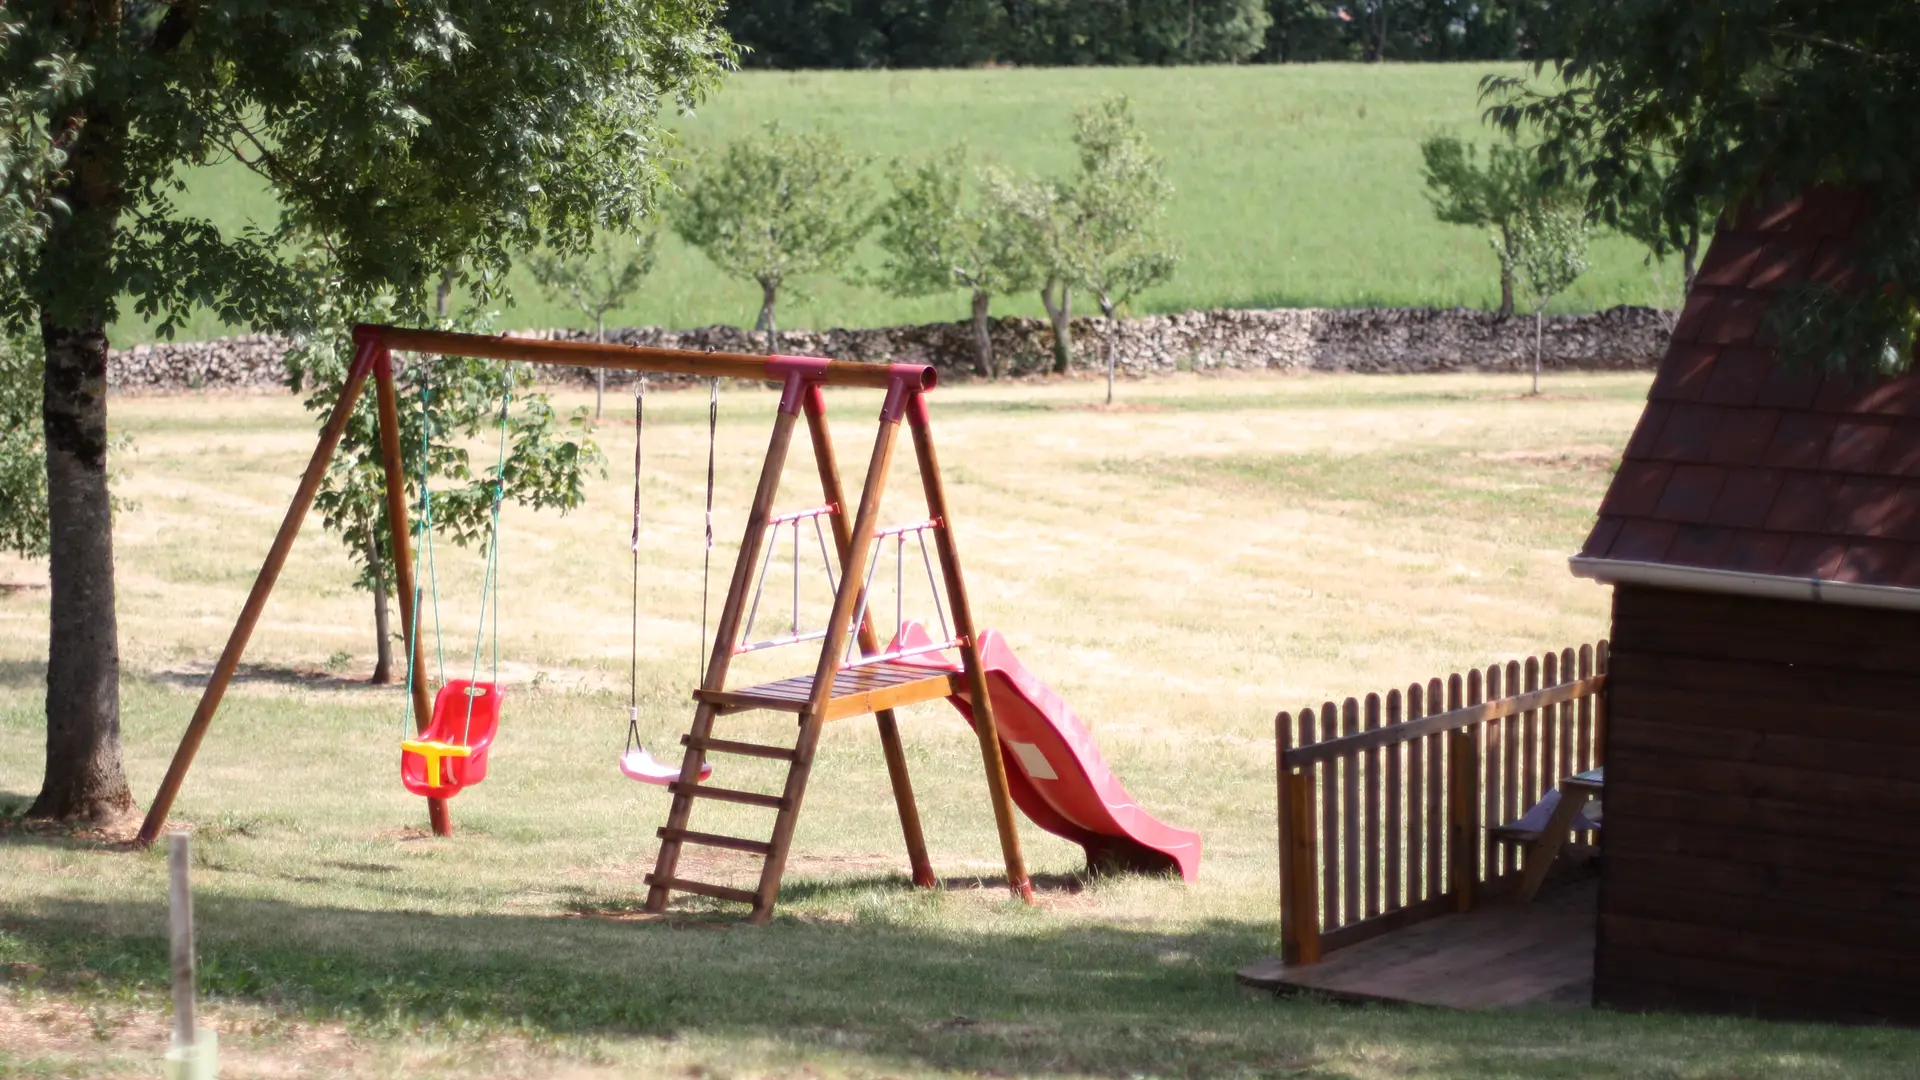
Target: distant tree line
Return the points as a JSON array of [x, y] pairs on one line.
[[792, 34]]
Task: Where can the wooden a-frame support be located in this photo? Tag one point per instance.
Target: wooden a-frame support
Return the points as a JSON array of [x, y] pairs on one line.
[[868, 689]]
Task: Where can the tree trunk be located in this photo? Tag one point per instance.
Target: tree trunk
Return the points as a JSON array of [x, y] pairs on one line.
[[599, 373], [382, 631], [982, 335], [443, 296], [1688, 252], [1108, 308], [1059, 315], [769, 293], [1378, 47], [84, 777], [1539, 317], [1109, 367]]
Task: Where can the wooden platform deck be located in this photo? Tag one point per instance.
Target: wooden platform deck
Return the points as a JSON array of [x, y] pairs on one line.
[[1501, 956], [856, 691]]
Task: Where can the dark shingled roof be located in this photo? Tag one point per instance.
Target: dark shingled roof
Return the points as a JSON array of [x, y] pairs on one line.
[[1742, 464]]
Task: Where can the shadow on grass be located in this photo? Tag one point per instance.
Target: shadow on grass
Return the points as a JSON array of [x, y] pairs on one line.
[[906, 986], [1099, 1000], [22, 674], [268, 675]]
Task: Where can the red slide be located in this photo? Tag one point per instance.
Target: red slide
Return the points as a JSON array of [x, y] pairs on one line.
[[1054, 771]]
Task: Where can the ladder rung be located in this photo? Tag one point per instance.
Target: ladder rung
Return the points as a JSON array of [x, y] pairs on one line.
[[732, 843], [708, 791], [747, 749], [701, 888]]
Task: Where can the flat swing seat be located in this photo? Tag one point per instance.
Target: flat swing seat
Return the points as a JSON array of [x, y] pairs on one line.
[[639, 765], [452, 753]]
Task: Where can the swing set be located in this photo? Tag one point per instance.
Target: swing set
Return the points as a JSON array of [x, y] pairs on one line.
[[851, 675]]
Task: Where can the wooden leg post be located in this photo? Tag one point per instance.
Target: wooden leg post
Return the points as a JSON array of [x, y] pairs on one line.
[[1463, 825], [262, 588], [724, 638], [983, 723], [852, 576], [1299, 876], [394, 465], [896, 757]]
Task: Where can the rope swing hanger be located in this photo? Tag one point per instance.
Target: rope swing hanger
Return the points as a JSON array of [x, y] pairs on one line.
[[452, 752], [635, 761]]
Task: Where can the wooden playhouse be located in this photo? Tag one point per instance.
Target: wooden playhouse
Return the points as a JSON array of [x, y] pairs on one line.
[[1757, 714], [1763, 753]]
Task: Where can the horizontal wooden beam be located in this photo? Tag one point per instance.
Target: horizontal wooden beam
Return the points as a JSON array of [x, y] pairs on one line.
[[643, 358], [1334, 749]]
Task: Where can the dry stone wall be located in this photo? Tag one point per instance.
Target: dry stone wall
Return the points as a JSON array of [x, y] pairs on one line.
[[1294, 340]]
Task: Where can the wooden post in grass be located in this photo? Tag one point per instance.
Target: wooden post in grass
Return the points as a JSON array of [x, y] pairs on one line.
[[193, 1055]]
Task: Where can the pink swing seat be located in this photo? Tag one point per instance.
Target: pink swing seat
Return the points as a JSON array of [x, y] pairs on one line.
[[640, 765]]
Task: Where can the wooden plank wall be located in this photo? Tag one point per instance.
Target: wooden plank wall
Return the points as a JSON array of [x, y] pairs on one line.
[[1763, 792]]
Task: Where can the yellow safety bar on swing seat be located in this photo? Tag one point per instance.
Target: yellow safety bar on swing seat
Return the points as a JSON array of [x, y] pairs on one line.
[[433, 750]]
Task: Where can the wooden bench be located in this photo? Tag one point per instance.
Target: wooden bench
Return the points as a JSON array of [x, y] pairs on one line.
[[1543, 830]]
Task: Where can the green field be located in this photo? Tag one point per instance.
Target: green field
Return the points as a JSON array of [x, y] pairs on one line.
[[1297, 185], [1178, 570]]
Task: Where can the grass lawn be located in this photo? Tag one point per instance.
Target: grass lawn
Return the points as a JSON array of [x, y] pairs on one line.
[[1297, 185], [1178, 569]]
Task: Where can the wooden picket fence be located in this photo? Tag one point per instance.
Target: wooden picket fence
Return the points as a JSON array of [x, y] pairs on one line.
[[1385, 803]]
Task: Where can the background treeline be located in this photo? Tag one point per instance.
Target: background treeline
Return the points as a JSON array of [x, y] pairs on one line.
[[794, 34]]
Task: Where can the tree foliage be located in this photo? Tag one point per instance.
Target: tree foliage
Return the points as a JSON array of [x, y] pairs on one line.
[[400, 140], [1546, 251], [1496, 195], [965, 33], [447, 405], [23, 461], [1748, 100], [596, 281], [774, 207], [1099, 230], [936, 239]]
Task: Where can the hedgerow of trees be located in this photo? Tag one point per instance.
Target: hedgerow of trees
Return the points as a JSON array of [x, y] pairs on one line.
[[965, 33]]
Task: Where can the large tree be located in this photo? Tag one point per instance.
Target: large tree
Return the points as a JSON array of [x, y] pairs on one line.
[[400, 139], [1748, 100]]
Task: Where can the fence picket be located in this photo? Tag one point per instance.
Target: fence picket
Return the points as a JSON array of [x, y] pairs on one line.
[[1585, 716], [1330, 848], [1376, 839], [1350, 816], [1510, 807], [1437, 852], [1539, 751], [1564, 714], [1284, 781], [1398, 843]]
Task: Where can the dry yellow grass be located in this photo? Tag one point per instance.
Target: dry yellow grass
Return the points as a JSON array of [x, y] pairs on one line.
[[1179, 569]]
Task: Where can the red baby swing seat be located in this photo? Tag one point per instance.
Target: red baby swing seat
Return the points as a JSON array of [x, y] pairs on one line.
[[452, 752]]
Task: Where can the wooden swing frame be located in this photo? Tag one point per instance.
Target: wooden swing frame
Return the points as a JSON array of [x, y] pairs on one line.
[[833, 690]]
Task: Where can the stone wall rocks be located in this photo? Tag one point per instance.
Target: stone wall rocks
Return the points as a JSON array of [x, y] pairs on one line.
[[1293, 340]]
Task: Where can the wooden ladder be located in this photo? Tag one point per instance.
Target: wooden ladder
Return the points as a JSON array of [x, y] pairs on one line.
[[832, 692]]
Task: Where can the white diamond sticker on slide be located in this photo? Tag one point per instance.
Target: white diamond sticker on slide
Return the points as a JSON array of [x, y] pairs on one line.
[[1033, 761]]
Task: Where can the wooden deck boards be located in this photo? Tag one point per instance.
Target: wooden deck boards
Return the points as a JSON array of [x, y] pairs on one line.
[[856, 691], [1501, 956]]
